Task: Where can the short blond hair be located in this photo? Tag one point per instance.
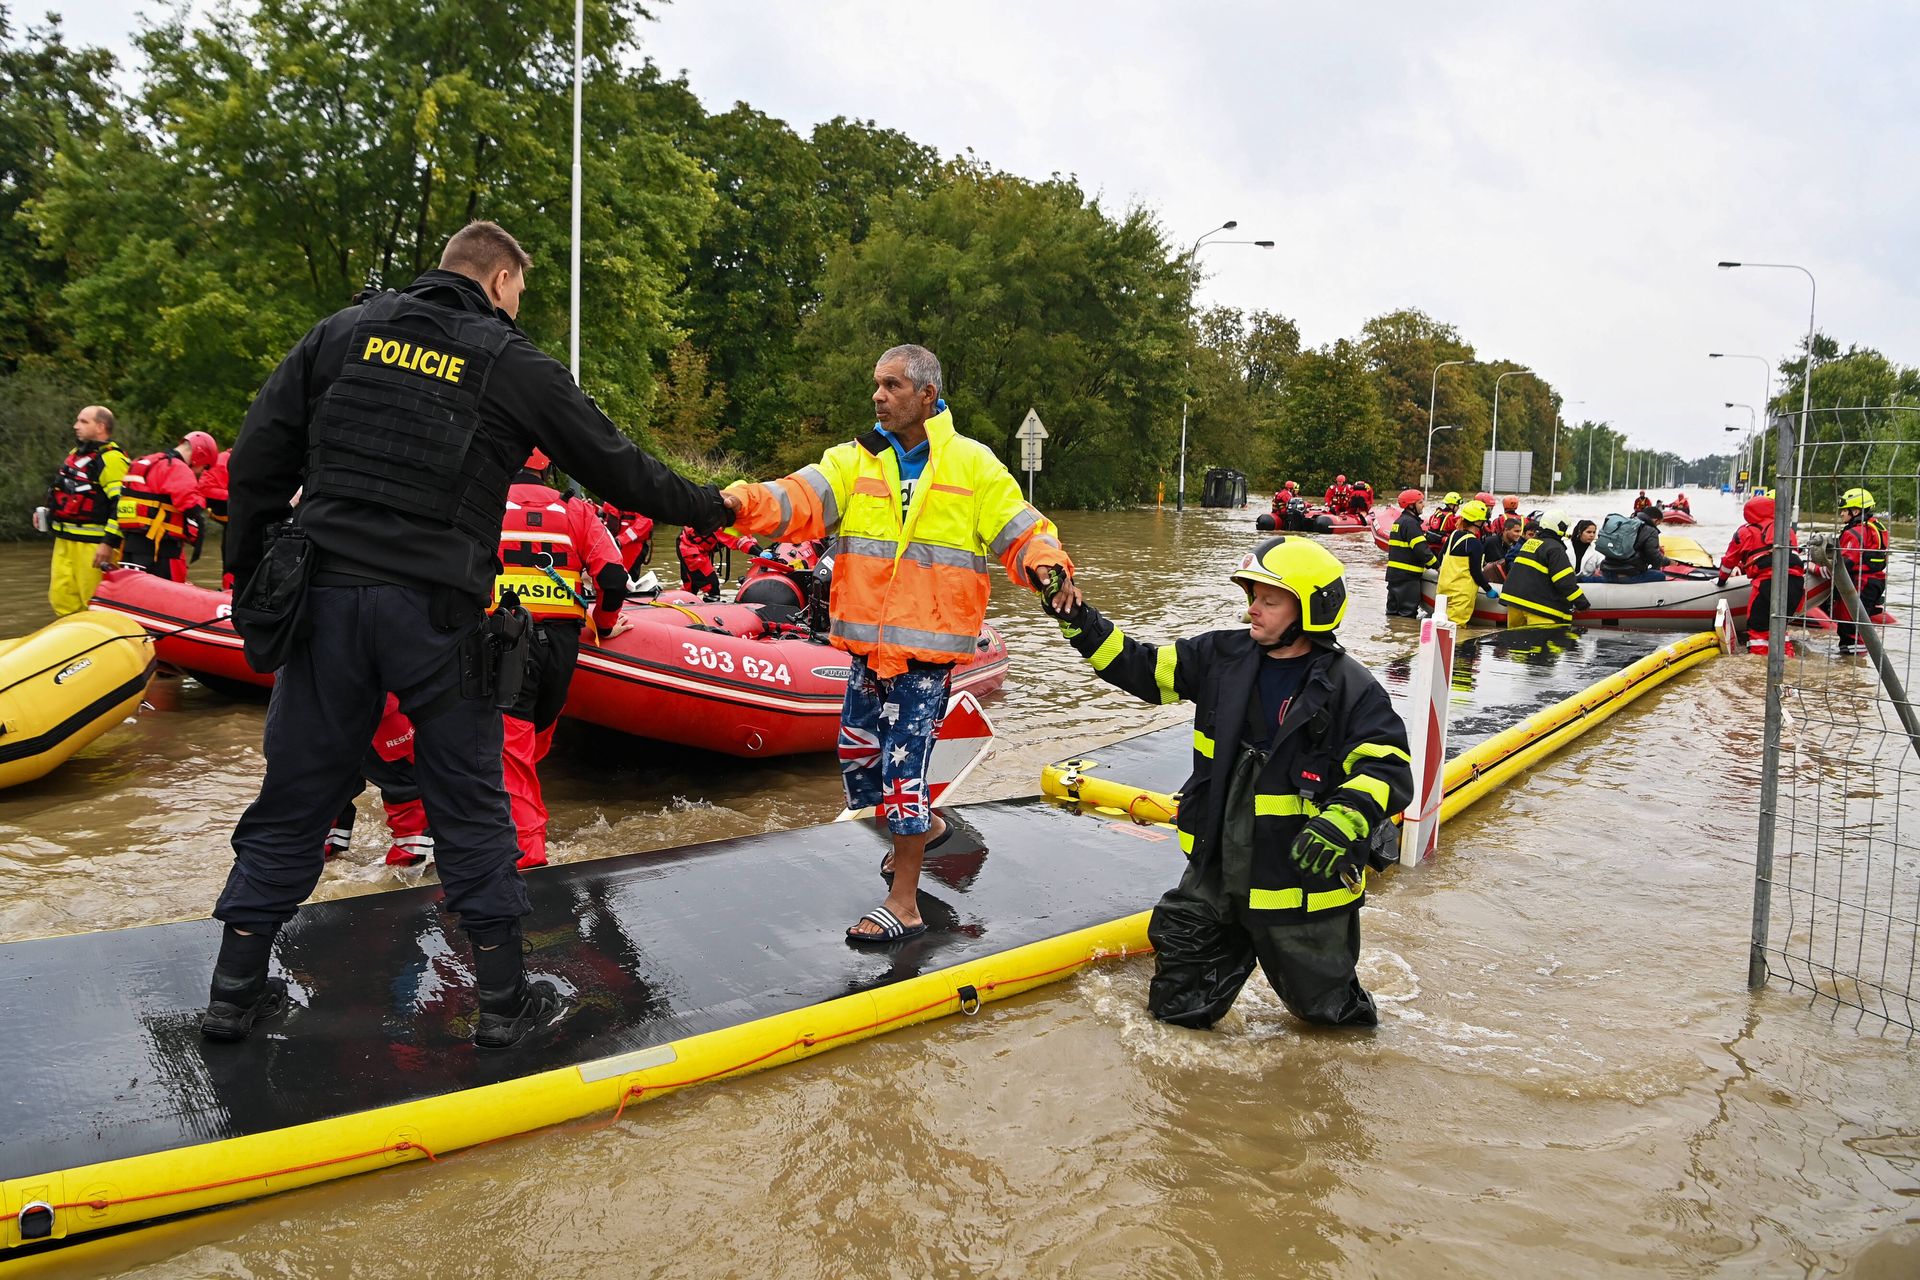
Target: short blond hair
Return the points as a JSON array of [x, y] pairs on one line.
[[482, 249]]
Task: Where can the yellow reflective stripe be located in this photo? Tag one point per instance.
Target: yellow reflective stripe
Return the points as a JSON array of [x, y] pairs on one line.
[[1284, 807], [1563, 573], [1410, 568], [1186, 843], [1163, 668], [1544, 610], [1530, 562], [1381, 793], [1109, 650], [1203, 744], [1374, 751], [1290, 899]]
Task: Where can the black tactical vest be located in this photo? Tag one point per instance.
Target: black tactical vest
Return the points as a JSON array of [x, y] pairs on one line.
[[399, 425]]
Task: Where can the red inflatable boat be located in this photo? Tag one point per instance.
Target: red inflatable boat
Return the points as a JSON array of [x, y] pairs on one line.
[[1319, 520], [1674, 515], [714, 676]]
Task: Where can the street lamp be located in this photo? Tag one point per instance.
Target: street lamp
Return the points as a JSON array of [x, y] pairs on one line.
[[1753, 425], [1766, 372], [1741, 457], [1433, 389], [1553, 468], [1806, 372], [1180, 495], [1427, 475], [1494, 446]]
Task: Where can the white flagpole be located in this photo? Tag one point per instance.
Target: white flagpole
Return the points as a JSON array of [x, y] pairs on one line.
[[573, 342]]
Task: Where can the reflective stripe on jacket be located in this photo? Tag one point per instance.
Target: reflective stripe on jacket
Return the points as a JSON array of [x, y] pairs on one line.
[[542, 530], [1409, 554], [1540, 579], [1341, 743], [155, 496], [914, 588], [1863, 544]]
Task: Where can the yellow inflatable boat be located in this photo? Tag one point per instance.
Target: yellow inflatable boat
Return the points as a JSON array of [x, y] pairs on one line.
[[65, 685]]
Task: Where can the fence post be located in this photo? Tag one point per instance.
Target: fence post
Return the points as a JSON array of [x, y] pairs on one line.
[[1770, 748]]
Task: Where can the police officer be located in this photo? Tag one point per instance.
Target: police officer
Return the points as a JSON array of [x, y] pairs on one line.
[[1409, 556], [404, 418]]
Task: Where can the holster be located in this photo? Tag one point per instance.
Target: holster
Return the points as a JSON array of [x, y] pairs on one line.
[[271, 611], [493, 664]]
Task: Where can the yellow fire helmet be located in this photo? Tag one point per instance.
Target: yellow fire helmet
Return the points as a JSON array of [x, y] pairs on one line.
[[1303, 567], [1473, 511], [1858, 499]]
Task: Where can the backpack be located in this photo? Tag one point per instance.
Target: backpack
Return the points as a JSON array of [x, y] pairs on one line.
[[1617, 537]]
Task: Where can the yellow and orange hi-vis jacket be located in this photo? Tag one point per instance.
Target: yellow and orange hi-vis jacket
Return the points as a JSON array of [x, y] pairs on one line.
[[914, 587]]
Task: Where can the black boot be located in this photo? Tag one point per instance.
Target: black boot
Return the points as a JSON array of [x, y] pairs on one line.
[[511, 1008], [241, 993]]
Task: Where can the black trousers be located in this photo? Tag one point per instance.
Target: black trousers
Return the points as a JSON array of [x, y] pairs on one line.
[[326, 701], [1205, 945], [552, 655], [1403, 596], [1760, 603]]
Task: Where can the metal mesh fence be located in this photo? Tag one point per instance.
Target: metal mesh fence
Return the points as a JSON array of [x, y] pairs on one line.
[[1837, 877]]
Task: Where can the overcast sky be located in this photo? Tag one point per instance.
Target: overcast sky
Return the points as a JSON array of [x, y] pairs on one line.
[[1556, 180]]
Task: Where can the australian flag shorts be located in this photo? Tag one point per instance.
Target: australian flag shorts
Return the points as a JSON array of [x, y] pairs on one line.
[[887, 728]]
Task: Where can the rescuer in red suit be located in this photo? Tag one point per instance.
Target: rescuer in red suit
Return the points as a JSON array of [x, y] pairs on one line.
[[389, 766], [551, 545], [632, 533], [1751, 552]]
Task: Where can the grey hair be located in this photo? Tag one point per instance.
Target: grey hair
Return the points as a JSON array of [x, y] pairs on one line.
[[923, 367]]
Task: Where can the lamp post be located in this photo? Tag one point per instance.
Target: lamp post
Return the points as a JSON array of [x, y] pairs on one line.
[[1493, 447], [1433, 389], [573, 301], [1428, 473], [1180, 494], [1553, 468], [1753, 425], [1806, 372], [1740, 457]]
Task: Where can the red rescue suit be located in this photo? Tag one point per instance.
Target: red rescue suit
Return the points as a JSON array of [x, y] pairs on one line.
[[696, 550], [1360, 499], [213, 487], [1337, 496], [1751, 552], [550, 546], [389, 766], [1863, 550], [158, 516], [1680, 503], [632, 534]]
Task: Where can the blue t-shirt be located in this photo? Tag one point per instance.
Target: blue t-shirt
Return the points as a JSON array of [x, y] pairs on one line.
[[1279, 682]]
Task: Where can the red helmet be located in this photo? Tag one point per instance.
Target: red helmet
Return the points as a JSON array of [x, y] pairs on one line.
[[537, 461], [1291, 484], [1486, 498], [1339, 479], [1409, 497], [1510, 503], [202, 450]]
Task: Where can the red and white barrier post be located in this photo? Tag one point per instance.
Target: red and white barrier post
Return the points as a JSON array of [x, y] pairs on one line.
[[1427, 735]]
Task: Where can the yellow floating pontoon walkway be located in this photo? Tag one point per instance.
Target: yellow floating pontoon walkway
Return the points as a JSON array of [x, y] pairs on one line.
[[689, 965]]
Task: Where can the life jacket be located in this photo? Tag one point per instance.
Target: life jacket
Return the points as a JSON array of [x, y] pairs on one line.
[[397, 425], [912, 587], [213, 486], [1756, 552], [1642, 502], [534, 538], [82, 499], [1863, 543], [147, 508]]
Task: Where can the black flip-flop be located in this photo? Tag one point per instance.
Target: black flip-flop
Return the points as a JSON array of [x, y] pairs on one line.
[[891, 929]]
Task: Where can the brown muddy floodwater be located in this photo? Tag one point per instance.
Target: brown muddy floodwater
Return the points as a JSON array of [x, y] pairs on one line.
[[1570, 1078]]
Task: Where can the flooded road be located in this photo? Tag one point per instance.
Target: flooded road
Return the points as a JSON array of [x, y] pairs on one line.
[[1570, 1078]]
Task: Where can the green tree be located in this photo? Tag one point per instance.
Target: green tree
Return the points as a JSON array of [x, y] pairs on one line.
[[1331, 421], [1403, 350], [50, 95], [1239, 366], [689, 414], [861, 162], [1033, 297]]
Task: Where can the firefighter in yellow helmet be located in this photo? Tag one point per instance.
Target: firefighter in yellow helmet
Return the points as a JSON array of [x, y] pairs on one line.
[[1299, 760], [1462, 575]]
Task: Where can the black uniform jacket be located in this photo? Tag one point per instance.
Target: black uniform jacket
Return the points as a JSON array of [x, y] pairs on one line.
[[1341, 743], [530, 400]]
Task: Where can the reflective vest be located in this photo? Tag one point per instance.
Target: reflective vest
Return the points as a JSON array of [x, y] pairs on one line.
[[534, 538], [913, 587], [1408, 554], [1863, 544], [397, 424], [148, 508], [86, 491], [1541, 580]]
